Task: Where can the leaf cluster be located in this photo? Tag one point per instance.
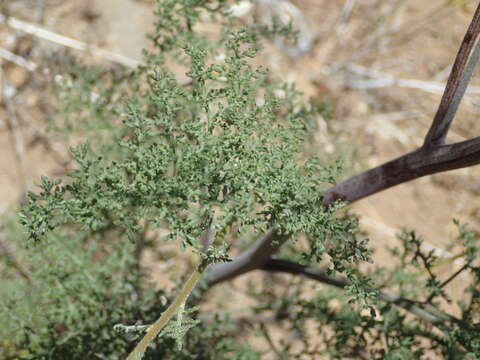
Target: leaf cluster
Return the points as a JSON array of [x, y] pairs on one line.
[[221, 152]]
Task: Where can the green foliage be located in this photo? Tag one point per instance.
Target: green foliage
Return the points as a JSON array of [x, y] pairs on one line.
[[222, 151], [78, 288]]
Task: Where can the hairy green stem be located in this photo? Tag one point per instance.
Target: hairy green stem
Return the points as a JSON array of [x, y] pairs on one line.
[[158, 325]]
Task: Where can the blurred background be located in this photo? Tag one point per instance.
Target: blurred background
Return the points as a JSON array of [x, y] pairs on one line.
[[381, 64]]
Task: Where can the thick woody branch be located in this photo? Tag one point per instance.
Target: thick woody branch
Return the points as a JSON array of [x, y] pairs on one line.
[[457, 84], [416, 164]]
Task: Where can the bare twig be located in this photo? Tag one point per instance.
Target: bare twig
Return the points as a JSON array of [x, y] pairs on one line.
[[432, 158], [446, 256], [418, 163], [426, 313], [268, 338], [443, 284], [17, 60], [371, 79], [42, 33]]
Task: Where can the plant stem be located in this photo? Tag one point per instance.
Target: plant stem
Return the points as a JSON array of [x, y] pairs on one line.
[[158, 325]]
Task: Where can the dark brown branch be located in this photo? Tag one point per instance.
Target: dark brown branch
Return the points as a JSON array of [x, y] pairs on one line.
[[418, 163], [426, 313], [422, 162], [456, 85], [446, 282]]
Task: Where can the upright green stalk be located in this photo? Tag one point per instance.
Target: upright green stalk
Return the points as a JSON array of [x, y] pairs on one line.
[[158, 325]]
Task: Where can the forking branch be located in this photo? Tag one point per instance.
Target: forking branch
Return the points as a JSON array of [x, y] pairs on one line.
[[433, 157]]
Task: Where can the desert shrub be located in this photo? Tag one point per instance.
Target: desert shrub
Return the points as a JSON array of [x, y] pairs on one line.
[[209, 164]]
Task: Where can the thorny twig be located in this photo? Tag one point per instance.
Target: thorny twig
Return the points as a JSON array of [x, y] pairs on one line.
[[443, 284]]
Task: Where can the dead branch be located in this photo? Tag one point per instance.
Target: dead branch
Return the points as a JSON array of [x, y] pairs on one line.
[[17, 60], [45, 34], [457, 83], [364, 78]]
